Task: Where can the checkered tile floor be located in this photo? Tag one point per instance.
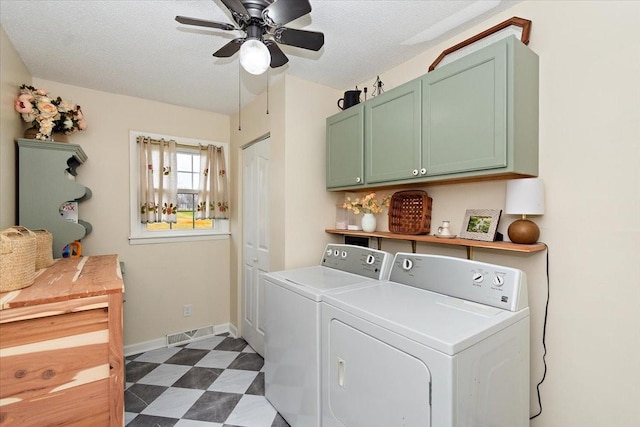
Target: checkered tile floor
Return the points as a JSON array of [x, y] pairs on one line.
[[216, 382]]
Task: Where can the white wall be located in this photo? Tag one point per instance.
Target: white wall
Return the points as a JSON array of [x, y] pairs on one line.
[[589, 154]]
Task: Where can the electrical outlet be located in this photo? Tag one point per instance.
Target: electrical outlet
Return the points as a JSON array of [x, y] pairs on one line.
[[186, 310]]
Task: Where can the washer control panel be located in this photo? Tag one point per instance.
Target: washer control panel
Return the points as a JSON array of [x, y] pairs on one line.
[[490, 284], [371, 263]]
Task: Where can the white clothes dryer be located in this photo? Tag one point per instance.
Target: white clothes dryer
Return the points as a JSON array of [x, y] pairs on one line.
[[444, 342], [292, 325]]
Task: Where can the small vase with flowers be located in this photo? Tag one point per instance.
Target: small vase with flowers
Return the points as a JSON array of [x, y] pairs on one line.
[[369, 205]]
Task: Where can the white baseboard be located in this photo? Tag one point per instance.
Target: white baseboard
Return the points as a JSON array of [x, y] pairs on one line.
[[161, 342], [233, 331], [145, 346]]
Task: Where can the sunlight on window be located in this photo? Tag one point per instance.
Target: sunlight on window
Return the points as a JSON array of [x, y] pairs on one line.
[[188, 162]]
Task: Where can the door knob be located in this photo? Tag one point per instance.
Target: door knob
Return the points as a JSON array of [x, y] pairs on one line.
[[255, 260]]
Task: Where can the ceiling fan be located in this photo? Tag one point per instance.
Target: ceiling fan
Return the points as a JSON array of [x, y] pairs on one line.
[[263, 22]]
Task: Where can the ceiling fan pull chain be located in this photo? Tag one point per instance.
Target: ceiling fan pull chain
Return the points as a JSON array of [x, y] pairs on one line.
[[267, 92], [239, 100]]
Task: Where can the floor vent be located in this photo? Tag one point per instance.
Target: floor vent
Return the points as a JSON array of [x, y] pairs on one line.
[[189, 336]]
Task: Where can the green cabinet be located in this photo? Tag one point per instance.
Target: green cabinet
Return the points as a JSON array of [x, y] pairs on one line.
[[475, 118], [480, 114], [392, 134], [345, 148], [46, 182]]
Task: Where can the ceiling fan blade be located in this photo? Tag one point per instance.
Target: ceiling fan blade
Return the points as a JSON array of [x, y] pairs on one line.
[[283, 11], [204, 23], [237, 9], [278, 58], [229, 49], [311, 40]]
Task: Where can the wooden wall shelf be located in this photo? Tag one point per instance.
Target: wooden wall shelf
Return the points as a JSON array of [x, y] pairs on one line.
[[469, 244]]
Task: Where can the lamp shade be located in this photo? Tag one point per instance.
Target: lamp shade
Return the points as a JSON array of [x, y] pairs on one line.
[[525, 197], [254, 56]]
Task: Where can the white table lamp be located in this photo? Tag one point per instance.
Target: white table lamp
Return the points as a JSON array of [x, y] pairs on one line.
[[524, 197]]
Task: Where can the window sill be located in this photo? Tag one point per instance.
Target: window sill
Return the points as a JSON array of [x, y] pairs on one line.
[[148, 240]]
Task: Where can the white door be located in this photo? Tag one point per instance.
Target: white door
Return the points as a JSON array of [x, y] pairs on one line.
[[255, 231]]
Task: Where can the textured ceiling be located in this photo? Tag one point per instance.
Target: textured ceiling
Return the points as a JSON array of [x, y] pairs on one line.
[[136, 48]]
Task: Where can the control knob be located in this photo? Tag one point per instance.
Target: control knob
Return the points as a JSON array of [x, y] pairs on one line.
[[370, 259], [407, 264]]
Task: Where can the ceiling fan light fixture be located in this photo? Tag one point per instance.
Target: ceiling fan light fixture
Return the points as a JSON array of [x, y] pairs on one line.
[[254, 56]]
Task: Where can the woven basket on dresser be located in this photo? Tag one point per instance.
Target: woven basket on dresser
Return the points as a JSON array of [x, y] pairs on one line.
[[410, 212], [17, 258], [44, 248]]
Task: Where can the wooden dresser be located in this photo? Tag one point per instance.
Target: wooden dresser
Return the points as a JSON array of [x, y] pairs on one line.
[[61, 350]]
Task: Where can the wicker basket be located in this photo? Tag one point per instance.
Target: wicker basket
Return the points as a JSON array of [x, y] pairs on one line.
[[44, 249], [17, 258], [410, 212]]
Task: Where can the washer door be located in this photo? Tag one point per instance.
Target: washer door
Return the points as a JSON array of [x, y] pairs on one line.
[[372, 384]]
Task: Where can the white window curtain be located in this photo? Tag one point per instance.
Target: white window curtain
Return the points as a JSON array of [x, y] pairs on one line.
[[213, 192], [158, 199]]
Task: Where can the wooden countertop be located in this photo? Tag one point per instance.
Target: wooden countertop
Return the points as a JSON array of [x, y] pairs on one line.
[[67, 279]]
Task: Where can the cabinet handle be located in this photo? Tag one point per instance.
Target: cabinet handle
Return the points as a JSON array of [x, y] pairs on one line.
[[423, 171], [415, 172], [358, 179]]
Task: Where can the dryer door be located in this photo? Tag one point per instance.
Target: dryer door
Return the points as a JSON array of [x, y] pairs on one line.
[[372, 384]]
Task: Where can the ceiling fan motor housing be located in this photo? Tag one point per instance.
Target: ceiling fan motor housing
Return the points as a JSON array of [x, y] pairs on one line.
[[260, 18], [255, 31]]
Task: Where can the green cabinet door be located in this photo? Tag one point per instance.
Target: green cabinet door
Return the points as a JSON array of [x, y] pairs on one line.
[[465, 113], [480, 114], [472, 119], [345, 148], [392, 134]]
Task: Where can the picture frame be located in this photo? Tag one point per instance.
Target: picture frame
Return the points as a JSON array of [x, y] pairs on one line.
[[517, 26], [480, 224]]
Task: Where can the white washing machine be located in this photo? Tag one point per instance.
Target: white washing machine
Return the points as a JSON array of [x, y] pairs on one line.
[[444, 342], [292, 325]]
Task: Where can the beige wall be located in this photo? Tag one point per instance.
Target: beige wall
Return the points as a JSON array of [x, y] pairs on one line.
[[13, 73], [589, 154], [300, 208], [160, 278], [309, 208]]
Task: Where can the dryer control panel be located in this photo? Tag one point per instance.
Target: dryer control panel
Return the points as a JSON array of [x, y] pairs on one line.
[[489, 284], [367, 262]]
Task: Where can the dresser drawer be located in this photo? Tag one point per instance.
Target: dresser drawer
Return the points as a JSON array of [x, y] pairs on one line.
[[59, 363]]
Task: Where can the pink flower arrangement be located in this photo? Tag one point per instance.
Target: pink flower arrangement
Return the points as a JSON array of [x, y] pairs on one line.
[[367, 204], [48, 114]]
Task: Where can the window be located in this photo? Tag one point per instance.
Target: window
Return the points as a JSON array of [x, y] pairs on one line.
[[184, 203]]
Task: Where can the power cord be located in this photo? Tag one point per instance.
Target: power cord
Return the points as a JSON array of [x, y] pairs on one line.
[[544, 341]]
